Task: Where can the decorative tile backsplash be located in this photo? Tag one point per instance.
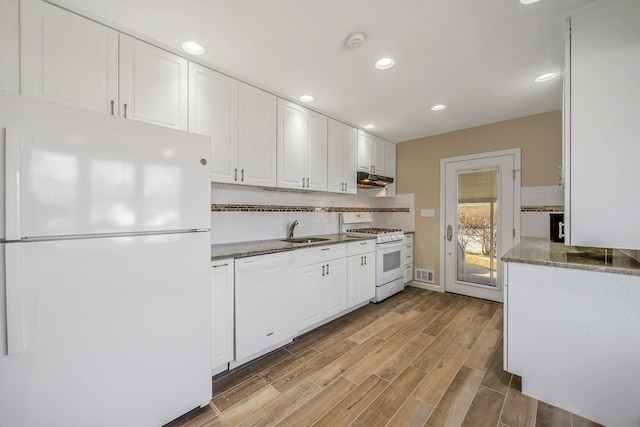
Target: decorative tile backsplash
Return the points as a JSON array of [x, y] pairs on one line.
[[536, 205], [243, 213]]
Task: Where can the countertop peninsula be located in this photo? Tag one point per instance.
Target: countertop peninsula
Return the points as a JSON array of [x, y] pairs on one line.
[[541, 251]]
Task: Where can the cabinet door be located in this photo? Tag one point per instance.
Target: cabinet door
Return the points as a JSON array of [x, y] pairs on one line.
[[336, 287], [378, 152], [354, 279], [293, 145], [368, 283], [311, 281], [68, 59], [364, 152], [317, 151], [256, 136], [153, 84], [213, 111], [342, 157], [602, 155], [390, 159], [222, 278]]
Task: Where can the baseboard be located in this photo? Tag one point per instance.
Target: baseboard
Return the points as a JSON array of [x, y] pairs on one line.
[[427, 286]]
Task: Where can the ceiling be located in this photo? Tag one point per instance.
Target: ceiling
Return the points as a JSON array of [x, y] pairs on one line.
[[479, 57]]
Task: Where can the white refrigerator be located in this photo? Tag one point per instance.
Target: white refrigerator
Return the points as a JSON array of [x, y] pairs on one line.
[[105, 268]]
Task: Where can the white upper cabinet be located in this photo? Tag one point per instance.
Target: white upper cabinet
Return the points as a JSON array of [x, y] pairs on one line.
[[602, 130], [371, 154], [302, 148], [68, 59], [213, 111], [377, 154], [342, 153], [256, 137], [364, 152], [153, 84], [390, 159]]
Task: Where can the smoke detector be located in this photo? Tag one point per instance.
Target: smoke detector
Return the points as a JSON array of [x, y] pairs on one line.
[[355, 40]]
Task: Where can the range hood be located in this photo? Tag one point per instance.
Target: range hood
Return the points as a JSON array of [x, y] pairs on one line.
[[370, 180]]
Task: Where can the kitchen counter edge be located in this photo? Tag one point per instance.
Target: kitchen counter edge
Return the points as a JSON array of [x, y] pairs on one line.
[[264, 247], [539, 251]]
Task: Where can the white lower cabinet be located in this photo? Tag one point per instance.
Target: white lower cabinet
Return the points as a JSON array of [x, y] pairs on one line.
[[222, 303], [265, 315], [321, 284], [361, 272], [572, 334], [408, 258]]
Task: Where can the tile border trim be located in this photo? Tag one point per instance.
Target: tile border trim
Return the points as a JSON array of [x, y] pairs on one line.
[[317, 209], [549, 209]]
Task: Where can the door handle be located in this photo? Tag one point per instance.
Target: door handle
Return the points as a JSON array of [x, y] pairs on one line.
[[449, 232], [561, 230]]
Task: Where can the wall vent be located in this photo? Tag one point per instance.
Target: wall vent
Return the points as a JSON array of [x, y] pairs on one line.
[[423, 275]]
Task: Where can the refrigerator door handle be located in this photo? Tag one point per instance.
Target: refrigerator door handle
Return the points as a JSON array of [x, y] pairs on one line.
[[13, 147], [14, 309]]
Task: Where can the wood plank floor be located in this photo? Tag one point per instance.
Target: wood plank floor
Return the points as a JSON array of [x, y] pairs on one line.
[[420, 358]]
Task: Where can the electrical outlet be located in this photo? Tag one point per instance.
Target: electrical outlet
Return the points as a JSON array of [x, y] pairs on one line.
[[427, 213]]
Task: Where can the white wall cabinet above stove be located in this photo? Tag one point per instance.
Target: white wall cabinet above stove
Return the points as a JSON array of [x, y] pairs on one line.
[[375, 155], [342, 157], [302, 148], [601, 150]]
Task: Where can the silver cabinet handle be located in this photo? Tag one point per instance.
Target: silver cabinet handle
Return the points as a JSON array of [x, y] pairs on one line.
[[323, 270], [113, 107], [242, 175], [221, 265], [235, 174], [303, 182], [361, 260], [365, 260], [125, 110], [307, 182], [327, 269]]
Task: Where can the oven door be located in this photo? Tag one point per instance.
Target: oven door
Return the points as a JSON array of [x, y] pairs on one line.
[[389, 263]]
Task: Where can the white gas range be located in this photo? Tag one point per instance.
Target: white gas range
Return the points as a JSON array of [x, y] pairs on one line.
[[389, 251]]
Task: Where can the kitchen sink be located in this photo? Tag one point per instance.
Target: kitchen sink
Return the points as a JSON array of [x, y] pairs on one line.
[[305, 240]]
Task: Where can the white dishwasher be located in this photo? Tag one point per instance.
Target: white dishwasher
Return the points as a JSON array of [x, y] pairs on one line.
[[265, 310]]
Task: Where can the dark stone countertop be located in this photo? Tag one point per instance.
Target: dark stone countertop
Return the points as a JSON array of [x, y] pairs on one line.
[[263, 247], [544, 252]]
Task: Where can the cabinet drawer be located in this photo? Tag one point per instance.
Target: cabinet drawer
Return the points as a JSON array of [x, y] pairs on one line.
[[361, 247], [320, 254], [408, 239]]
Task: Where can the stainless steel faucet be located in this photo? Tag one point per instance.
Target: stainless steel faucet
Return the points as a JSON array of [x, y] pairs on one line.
[[291, 227]]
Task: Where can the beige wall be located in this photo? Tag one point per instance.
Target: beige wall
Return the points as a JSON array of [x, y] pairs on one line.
[[418, 168]]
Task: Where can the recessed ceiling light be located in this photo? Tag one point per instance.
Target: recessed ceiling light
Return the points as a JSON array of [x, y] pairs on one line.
[[529, 1], [369, 126], [545, 77], [193, 48], [385, 63], [438, 107], [306, 98]]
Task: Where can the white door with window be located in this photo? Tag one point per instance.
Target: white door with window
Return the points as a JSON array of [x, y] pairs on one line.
[[480, 203]]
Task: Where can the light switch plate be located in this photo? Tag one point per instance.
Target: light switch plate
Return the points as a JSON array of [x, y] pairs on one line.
[[427, 213]]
